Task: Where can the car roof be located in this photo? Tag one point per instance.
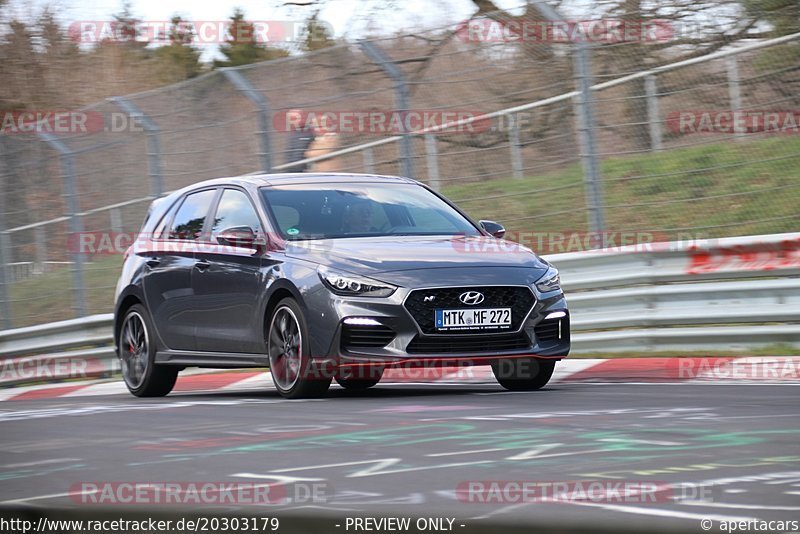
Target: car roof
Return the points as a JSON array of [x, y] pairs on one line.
[[264, 179], [258, 179]]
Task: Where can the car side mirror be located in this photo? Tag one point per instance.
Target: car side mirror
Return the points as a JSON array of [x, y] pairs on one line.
[[239, 236], [493, 228]]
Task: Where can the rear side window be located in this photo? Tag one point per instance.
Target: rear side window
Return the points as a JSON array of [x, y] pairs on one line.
[[235, 210], [188, 221], [160, 231]]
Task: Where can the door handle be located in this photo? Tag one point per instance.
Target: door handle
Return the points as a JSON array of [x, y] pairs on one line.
[[202, 265], [153, 262]]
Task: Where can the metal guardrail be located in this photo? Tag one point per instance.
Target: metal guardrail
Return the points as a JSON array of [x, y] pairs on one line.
[[730, 294], [66, 349], [722, 295]]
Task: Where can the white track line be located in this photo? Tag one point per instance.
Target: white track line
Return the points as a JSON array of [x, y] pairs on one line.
[[740, 506]]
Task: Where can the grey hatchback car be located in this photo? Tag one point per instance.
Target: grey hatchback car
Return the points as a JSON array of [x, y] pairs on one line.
[[325, 277]]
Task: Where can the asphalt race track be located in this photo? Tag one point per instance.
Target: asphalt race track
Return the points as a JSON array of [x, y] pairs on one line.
[[724, 452]]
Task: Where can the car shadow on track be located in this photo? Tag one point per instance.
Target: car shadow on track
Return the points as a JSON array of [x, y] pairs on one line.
[[388, 391]]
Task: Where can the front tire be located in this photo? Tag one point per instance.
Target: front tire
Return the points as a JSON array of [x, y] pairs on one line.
[[289, 352], [526, 374], [137, 353]]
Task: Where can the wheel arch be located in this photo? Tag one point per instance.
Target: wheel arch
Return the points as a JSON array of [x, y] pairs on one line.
[[280, 290], [128, 298]]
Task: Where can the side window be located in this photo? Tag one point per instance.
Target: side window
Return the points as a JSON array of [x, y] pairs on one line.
[[235, 209], [188, 222], [160, 231]]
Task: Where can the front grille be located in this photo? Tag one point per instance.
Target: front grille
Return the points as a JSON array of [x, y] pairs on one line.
[[356, 337], [519, 299], [468, 344], [548, 331]]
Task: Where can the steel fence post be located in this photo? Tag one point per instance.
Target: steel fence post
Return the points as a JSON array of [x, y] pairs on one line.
[[6, 321], [589, 157], [5, 302], [401, 100], [369, 161], [735, 90], [591, 161], [653, 113], [75, 223], [432, 156], [153, 143], [264, 113], [115, 218], [516, 153], [41, 247]]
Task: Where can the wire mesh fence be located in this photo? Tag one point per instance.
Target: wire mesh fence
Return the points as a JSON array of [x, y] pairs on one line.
[[687, 146]]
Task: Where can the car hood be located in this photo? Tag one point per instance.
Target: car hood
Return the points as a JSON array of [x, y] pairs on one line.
[[376, 255]]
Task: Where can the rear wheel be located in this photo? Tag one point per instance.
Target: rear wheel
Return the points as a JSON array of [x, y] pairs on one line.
[[356, 383], [525, 374], [289, 354], [137, 352]]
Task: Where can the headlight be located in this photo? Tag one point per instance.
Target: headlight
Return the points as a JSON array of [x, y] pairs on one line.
[[551, 281], [354, 286]]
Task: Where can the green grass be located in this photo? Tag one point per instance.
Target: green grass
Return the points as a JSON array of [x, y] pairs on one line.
[[754, 188], [49, 297]]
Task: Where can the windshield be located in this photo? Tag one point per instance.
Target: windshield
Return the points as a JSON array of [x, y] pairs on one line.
[[330, 211]]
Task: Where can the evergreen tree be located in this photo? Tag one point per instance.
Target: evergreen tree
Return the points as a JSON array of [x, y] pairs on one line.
[[178, 60], [316, 35], [242, 47]]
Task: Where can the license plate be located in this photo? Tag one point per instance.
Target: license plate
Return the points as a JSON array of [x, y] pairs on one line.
[[473, 319]]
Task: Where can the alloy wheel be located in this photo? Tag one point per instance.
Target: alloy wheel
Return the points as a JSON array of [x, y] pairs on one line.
[[134, 350], [285, 348]]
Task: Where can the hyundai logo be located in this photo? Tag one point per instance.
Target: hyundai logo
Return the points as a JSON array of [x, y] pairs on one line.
[[471, 298]]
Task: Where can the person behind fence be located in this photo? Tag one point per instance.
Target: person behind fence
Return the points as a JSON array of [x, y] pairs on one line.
[[323, 145], [301, 135]]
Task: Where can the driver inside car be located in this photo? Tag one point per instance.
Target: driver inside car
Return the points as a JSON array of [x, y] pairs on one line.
[[357, 218]]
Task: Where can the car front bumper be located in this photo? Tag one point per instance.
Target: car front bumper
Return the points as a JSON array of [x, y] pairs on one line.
[[387, 334]]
